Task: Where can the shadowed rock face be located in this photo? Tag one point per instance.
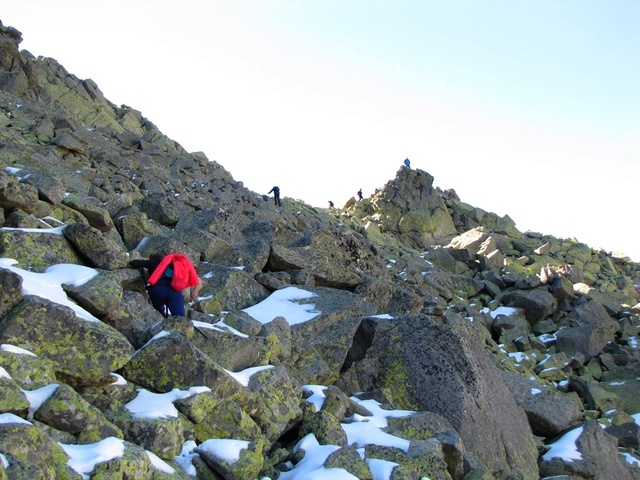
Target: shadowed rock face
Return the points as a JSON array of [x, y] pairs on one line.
[[85, 182], [424, 364]]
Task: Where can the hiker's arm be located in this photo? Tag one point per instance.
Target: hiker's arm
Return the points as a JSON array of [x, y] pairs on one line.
[[143, 264], [193, 293]]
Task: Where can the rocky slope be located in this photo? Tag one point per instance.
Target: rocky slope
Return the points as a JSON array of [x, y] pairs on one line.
[[499, 340]]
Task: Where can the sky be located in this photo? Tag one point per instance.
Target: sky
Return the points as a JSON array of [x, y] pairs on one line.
[[528, 108], [294, 304]]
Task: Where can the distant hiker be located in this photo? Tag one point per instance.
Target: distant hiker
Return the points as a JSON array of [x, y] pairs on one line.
[[360, 194], [407, 163], [168, 276], [276, 195], [330, 204]]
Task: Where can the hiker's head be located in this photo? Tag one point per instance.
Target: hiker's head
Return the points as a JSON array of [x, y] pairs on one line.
[[156, 256]]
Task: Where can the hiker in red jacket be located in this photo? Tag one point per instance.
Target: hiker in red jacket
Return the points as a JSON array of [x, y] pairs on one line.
[[168, 276]]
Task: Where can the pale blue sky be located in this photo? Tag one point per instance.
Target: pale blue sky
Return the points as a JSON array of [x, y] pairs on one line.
[[526, 108]]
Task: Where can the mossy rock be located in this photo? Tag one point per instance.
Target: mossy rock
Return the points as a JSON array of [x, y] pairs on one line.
[[29, 371], [84, 352], [37, 251], [34, 451]]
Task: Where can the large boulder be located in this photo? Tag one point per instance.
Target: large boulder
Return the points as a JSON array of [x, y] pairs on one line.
[[101, 249], [411, 355], [10, 290], [37, 250], [247, 464], [171, 361], [92, 209], [30, 371], [537, 303], [31, 453], [67, 411], [596, 457], [410, 209], [590, 329], [85, 352], [215, 417], [549, 412], [279, 395], [320, 346]]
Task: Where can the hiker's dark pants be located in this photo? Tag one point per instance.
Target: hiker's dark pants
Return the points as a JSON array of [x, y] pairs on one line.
[[166, 300]]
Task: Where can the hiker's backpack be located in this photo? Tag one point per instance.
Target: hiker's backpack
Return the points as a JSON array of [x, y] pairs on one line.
[[184, 273]]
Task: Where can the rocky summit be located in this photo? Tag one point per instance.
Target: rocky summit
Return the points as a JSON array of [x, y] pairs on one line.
[[494, 343]]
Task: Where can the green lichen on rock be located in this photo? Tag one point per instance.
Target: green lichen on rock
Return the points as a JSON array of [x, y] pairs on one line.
[[214, 417], [396, 380], [279, 395], [248, 465], [29, 371], [84, 352], [35, 451], [12, 399], [67, 411], [325, 427], [37, 251]]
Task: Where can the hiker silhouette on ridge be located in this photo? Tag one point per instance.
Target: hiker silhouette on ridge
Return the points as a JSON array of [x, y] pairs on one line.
[[276, 195]]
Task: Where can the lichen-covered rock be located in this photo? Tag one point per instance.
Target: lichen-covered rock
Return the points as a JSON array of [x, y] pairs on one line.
[[598, 458], [30, 371], [133, 226], [320, 345], [18, 195], [422, 353], [50, 187], [67, 411], [348, 458], [10, 290], [100, 296], [92, 209], [215, 417], [537, 303], [325, 427], [134, 463], [235, 289], [590, 329], [163, 436], [549, 412], [172, 361], [409, 208], [422, 463], [12, 399], [247, 465], [101, 250], [84, 352], [231, 351], [134, 318], [37, 250], [279, 395], [32, 454]]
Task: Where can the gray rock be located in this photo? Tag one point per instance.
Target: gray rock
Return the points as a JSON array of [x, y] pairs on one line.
[[10, 290], [45, 328], [590, 329], [98, 248], [549, 412], [599, 458], [37, 251], [537, 303]]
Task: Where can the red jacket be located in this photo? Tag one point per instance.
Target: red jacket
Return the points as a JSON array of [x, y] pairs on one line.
[[184, 273]]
